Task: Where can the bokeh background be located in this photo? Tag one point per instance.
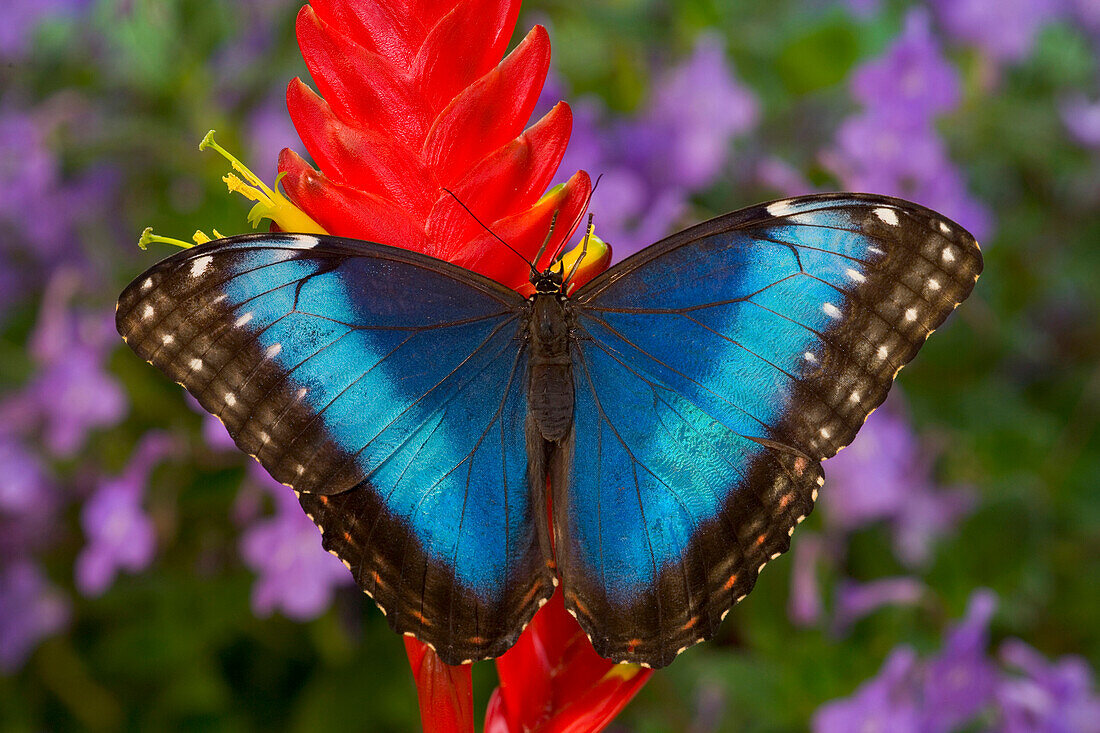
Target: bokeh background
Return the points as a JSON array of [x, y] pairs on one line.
[[151, 578]]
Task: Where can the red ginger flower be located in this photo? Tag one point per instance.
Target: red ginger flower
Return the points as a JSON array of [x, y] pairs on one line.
[[416, 105]]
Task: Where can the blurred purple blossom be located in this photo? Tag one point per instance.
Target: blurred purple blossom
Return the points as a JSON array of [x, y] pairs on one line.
[[884, 703], [22, 17], [913, 75], [1081, 117], [120, 535], [934, 696], [71, 392], [856, 600], [37, 201], [962, 686], [1004, 29], [804, 606], [1058, 697], [31, 608], [268, 130], [296, 576], [891, 146], [26, 484], [960, 681], [651, 163], [884, 475], [779, 175]]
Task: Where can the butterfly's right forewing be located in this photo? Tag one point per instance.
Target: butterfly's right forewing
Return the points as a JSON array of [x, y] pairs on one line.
[[388, 389]]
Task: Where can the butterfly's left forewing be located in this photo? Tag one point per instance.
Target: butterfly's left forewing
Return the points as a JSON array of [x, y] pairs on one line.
[[713, 373], [385, 387]]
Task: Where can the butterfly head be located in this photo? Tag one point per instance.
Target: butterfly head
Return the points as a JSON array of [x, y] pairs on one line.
[[549, 280]]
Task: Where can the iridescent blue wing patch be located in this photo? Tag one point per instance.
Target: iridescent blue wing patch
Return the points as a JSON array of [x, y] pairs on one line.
[[388, 389], [714, 371]]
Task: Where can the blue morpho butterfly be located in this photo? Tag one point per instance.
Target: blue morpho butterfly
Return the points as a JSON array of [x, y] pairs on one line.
[[680, 404]]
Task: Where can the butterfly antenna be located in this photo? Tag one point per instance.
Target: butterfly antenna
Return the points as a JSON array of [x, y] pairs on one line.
[[558, 251], [545, 242], [495, 235], [584, 251]]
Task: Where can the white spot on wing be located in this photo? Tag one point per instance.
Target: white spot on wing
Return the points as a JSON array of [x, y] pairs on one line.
[[875, 250], [274, 349], [167, 339], [883, 352], [911, 314], [933, 284], [196, 364], [825, 433], [147, 284], [855, 275], [944, 228], [199, 265], [810, 357], [230, 399], [244, 319], [831, 310], [854, 397], [147, 311], [949, 254], [887, 215], [780, 208]]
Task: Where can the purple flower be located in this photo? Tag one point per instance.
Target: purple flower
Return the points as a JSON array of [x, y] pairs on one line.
[[884, 476], [26, 485], [959, 682], [1081, 117], [804, 604], [891, 146], [887, 702], [779, 175], [1058, 697], [31, 608], [296, 576], [120, 534], [36, 200], [1003, 29], [912, 80], [21, 17], [695, 112], [269, 130], [72, 392], [856, 600], [651, 163], [934, 696]]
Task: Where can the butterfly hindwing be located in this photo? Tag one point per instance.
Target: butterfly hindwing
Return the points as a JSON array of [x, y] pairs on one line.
[[388, 389], [713, 372]]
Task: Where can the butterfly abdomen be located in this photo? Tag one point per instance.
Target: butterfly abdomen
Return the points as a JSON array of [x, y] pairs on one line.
[[550, 369]]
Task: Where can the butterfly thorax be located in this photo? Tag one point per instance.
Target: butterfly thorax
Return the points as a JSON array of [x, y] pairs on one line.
[[550, 365]]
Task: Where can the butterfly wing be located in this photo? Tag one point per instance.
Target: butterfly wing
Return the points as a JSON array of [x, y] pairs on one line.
[[387, 389], [714, 371]]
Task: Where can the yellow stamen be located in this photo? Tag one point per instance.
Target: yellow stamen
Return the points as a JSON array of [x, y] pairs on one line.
[[147, 238], [270, 204]]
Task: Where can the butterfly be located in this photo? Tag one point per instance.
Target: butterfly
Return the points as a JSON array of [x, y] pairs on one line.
[[649, 440]]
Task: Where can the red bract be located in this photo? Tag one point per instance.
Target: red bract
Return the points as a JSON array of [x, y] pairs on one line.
[[552, 680], [415, 102]]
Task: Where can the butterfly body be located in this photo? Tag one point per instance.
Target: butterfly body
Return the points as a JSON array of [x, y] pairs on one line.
[[674, 410], [550, 365]]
